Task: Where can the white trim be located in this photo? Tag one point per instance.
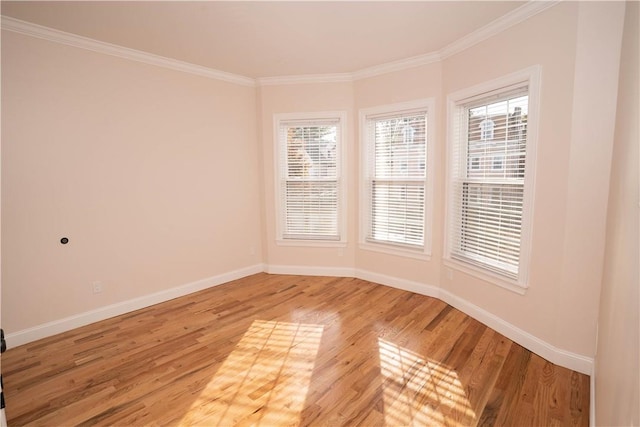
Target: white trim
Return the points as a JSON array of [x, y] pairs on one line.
[[530, 74], [399, 65], [395, 282], [427, 104], [486, 275], [305, 79], [312, 243], [57, 36], [516, 16], [503, 23], [303, 270], [62, 325], [592, 382], [558, 356], [341, 116], [532, 77], [555, 355], [592, 397], [533, 123], [396, 250], [510, 19]]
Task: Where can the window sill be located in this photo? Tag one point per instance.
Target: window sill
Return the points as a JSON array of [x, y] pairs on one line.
[[312, 243], [486, 276], [396, 250]]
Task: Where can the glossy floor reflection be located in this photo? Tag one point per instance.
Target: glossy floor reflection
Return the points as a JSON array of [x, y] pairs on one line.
[[419, 391], [266, 376]]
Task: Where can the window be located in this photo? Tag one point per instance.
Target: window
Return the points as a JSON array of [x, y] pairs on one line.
[[396, 185], [498, 162], [486, 128], [489, 202], [309, 187], [475, 163]]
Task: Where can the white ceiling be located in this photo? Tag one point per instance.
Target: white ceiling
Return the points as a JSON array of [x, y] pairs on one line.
[[264, 38]]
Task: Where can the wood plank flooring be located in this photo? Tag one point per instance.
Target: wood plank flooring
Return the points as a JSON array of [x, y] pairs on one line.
[[275, 350]]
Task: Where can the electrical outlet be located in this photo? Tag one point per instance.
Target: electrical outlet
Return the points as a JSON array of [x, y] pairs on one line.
[[97, 287]]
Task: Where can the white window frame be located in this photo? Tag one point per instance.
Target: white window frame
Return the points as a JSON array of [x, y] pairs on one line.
[[455, 104], [424, 252], [475, 163], [497, 162], [278, 119], [487, 132]]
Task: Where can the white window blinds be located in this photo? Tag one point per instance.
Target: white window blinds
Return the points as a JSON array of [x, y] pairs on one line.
[[487, 185], [396, 178], [309, 179]]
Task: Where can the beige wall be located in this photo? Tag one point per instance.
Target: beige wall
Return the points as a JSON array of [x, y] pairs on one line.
[[559, 305], [407, 85], [593, 121], [306, 98], [580, 43], [617, 372], [152, 174], [520, 47], [160, 178]]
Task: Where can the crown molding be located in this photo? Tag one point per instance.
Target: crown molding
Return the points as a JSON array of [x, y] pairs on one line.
[[399, 65], [305, 78], [376, 70], [512, 18], [57, 36], [506, 21]]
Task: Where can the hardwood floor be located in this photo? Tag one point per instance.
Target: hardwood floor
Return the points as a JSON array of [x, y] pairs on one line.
[[290, 350]]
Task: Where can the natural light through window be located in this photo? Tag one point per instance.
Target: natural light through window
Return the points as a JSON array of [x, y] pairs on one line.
[[397, 178], [491, 154], [309, 188], [419, 391], [264, 381]]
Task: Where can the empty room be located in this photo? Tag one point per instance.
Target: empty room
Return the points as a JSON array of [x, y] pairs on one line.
[[310, 213]]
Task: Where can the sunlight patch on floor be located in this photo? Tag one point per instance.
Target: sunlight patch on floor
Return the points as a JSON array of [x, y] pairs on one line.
[[419, 391], [264, 381]]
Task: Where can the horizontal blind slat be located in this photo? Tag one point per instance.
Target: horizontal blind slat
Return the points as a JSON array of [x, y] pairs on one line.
[[488, 168], [397, 144], [309, 167]]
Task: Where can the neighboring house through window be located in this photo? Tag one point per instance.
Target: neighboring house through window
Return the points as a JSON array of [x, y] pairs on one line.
[[475, 163], [486, 129], [309, 184], [489, 202], [396, 183]]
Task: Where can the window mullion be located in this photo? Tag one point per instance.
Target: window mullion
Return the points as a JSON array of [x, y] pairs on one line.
[[309, 163], [487, 184]]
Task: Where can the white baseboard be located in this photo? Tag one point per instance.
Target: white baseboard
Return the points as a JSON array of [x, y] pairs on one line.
[[394, 282], [592, 401], [542, 348], [555, 355], [310, 270], [62, 325]]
